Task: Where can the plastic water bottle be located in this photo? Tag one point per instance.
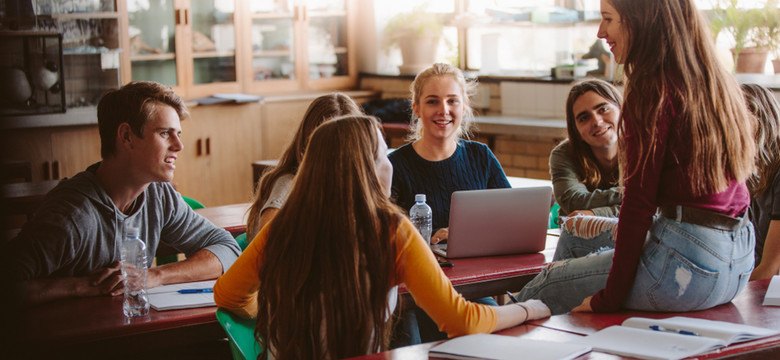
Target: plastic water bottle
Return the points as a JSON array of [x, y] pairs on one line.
[[134, 272], [422, 217]]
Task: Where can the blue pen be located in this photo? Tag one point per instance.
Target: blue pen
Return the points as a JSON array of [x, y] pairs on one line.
[[677, 331], [195, 291]]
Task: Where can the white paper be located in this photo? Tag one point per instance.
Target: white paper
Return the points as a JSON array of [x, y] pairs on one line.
[[772, 297], [499, 347], [167, 297]]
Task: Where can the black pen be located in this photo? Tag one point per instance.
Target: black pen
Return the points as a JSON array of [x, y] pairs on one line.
[[512, 297]]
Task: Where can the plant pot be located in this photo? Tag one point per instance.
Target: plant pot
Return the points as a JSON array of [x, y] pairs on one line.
[[751, 60], [776, 65], [417, 52]]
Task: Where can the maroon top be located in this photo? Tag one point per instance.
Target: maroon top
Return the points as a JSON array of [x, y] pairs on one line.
[[658, 183]]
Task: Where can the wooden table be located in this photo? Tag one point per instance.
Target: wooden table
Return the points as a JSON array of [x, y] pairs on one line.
[[745, 309], [229, 217], [96, 326]]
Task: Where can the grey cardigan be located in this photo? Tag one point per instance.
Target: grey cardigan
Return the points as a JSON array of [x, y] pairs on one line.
[[571, 194]]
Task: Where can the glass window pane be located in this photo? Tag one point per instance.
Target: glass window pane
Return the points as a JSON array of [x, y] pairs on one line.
[[152, 52], [272, 46], [327, 46], [213, 41]]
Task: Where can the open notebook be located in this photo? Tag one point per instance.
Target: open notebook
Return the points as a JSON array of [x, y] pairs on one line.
[[500, 347], [672, 338], [772, 297], [167, 297]]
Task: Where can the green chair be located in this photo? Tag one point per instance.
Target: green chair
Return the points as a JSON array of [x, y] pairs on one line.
[[240, 333], [242, 242], [554, 216], [194, 204]]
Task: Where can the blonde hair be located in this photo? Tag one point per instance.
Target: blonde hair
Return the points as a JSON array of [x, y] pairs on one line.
[[437, 70], [766, 109]]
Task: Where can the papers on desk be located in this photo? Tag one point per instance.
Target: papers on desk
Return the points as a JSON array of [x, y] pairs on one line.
[[772, 297], [499, 347], [672, 338], [167, 297], [235, 98]]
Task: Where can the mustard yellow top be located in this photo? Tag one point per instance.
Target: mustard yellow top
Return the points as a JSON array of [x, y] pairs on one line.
[[236, 290]]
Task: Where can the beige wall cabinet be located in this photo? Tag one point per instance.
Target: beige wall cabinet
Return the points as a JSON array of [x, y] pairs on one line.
[[220, 144], [301, 44], [53, 153]]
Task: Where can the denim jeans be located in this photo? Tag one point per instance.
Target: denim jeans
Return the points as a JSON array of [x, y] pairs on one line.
[[570, 246], [683, 267]]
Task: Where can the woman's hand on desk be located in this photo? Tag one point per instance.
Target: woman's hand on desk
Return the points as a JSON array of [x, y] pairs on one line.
[[585, 306], [441, 235]]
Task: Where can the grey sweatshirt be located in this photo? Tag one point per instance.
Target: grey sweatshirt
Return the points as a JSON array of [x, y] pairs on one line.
[[78, 229]]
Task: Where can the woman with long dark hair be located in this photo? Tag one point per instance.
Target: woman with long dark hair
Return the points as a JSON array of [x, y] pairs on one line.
[[686, 150], [321, 277]]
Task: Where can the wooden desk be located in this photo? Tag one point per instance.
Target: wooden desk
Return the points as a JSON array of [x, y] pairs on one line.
[[745, 309], [97, 326], [229, 217]]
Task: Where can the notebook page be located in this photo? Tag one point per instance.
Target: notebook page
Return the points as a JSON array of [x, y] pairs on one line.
[[500, 347], [648, 344], [726, 331]]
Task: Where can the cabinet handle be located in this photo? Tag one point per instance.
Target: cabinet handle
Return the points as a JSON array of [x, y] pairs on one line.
[[186, 17], [305, 13], [208, 146], [178, 16], [199, 147], [55, 171], [296, 13], [46, 171]]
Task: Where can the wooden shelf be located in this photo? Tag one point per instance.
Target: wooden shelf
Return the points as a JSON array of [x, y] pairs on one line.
[[212, 54], [319, 14], [272, 16], [272, 53], [340, 50], [152, 57], [78, 16]]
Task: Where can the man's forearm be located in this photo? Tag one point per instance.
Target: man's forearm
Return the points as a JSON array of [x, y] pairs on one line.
[[203, 265]]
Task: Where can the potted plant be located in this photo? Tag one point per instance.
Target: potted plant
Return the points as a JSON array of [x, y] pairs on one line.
[[770, 34], [746, 26], [417, 33]]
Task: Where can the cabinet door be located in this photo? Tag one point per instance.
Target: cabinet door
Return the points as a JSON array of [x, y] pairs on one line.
[[272, 35], [74, 149], [279, 123], [28, 145], [329, 47], [191, 177], [153, 49]]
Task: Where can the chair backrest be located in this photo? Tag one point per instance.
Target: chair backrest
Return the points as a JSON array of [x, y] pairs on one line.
[[240, 333], [242, 242], [194, 204], [554, 216]]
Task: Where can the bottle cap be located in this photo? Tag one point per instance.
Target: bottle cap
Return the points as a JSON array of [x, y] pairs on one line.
[[131, 231], [419, 198]]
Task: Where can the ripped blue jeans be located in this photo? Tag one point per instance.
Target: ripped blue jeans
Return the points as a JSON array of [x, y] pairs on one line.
[[683, 267]]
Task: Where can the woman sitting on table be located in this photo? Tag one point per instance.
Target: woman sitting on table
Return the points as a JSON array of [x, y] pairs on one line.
[[274, 185], [584, 167], [687, 150], [765, 184], [351, 248]]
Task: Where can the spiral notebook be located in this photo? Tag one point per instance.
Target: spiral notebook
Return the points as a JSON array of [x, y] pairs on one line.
[[167, 297]]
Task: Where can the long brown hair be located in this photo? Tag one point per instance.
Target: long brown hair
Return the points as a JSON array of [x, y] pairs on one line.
[[328, 263], [320, 110], [671, 60], [766, 109], [579, 150]]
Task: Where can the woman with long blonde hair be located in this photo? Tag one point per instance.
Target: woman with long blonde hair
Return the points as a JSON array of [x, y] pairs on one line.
[[686, 150], [274, 186], [321, 277]]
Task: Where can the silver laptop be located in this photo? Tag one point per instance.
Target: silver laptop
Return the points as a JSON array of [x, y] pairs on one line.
[[497, 222]]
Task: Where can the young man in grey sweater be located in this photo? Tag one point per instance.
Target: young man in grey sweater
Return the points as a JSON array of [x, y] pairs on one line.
[[71, 247]]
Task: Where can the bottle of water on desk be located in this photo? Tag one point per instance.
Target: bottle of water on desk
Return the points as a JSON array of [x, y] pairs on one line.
[[422, 217], [134, 270]]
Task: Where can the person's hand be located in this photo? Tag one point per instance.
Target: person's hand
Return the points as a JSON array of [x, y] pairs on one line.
[[102, 281], [582, 213], [762, 272], [585, 306], [441, 235]]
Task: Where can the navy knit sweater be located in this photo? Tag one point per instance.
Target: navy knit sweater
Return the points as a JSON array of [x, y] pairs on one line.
[[472, 167]]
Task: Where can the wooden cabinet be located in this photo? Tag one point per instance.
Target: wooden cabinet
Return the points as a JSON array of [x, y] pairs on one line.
[[53, 153], [220, 144], [304, 44], [194, 46]]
